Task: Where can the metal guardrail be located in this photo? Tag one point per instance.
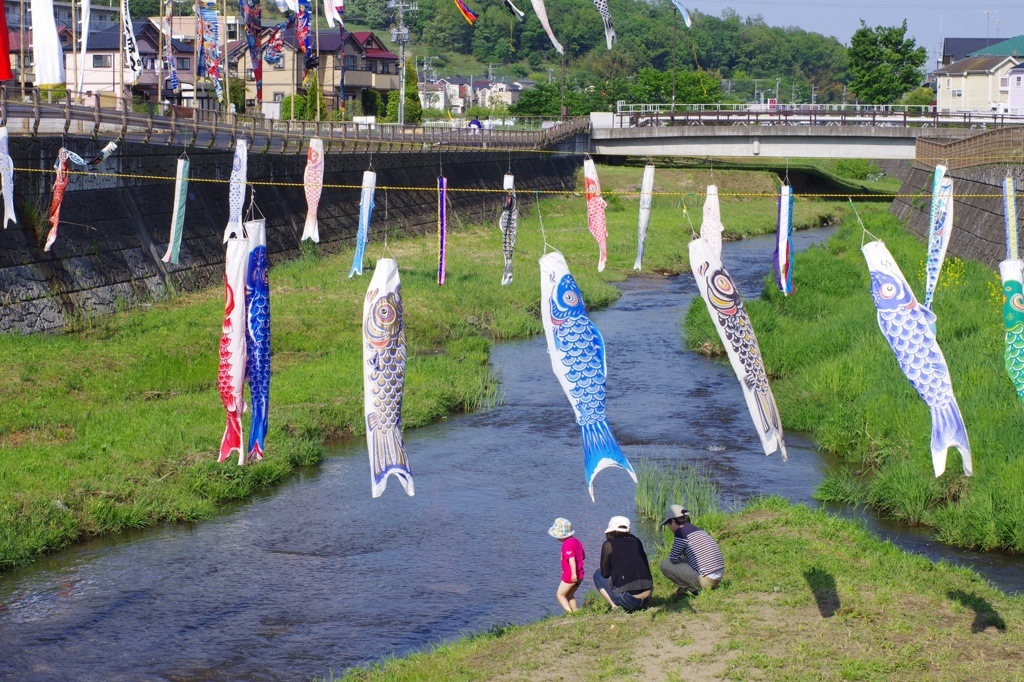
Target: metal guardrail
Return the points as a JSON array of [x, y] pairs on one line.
[[218, 130], [659, 115]]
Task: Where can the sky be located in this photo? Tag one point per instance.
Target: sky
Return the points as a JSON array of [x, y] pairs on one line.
[[928, 21]]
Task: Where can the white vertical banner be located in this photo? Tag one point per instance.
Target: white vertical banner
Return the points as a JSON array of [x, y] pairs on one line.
[[132, 58], [84, 38], [46, 49]]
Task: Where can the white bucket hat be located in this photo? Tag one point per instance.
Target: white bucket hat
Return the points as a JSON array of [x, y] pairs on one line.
[[618, 524]]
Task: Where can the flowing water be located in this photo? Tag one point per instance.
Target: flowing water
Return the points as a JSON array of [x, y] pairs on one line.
[[315, 576]]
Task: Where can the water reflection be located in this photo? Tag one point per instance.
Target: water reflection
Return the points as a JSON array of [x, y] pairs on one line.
[[317, 576]]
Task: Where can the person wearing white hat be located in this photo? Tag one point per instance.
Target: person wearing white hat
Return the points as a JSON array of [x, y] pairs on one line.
[[624, 578], [572, 563], [695, 562]]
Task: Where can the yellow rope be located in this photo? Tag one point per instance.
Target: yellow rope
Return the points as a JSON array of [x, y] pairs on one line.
[[766, 195]]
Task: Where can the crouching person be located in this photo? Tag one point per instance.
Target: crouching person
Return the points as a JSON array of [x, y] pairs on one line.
[[695, 562]]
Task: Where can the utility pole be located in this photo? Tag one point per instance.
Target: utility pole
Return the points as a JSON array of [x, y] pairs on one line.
[[777, 81], [792, 97], [675, 50], [400, 35], [564, 112], [21, 48], [551, 75]]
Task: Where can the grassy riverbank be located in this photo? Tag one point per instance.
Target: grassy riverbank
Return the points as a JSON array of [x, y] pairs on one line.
[[836, 378], [807, 596], [115, 425]]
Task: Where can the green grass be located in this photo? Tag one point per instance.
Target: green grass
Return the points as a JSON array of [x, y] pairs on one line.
[[115, 425], [806, 596], [659, 486], [835, 376]]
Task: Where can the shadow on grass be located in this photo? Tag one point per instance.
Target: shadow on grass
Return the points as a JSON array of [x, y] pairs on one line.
[[823, 585], [985, 615]]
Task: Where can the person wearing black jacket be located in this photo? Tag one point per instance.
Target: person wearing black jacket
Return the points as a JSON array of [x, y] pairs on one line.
[[625, 575]]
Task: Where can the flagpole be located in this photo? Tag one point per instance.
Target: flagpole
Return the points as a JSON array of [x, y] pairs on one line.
[[197, 46], [159, 60], [316, 26], [227, 82], [675, 51], [74, 49]]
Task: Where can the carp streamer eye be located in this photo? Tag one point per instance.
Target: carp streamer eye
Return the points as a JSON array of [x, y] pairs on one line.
[[570, 299], [887, 290], [1017, 302], [385, 314], [723, 284]]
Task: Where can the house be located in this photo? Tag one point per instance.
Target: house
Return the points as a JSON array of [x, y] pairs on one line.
[[499, 95], [1015, 76], [434, 96], [18, 49], [369, 65], [974, 84], [955, 49], [100, 18], [103, 68]]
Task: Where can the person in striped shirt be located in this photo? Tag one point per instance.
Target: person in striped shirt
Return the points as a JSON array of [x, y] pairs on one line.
[[695, 562]]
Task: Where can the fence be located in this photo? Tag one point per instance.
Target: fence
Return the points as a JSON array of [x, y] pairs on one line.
[[219, 130], [1002, 146]]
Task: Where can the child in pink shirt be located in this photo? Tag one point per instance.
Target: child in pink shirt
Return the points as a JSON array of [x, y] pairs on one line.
[[572, 563]]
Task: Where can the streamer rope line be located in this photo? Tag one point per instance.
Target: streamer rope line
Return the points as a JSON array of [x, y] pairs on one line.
[[563, 192]]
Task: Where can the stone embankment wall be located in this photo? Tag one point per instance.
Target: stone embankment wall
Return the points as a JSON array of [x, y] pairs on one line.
[[114, 230], [978, 231]]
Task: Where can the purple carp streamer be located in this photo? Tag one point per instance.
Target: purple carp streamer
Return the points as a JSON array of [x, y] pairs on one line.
[[442, 227], [132, 58], [7, 178], [908, 327], [940, 226], [178, 212], [578, 360], [646, 197], [314, 183], [509, 218], [253, 15], [384, 378], [542, 14], [231, 374], [366, 201], [236, 190], [208, 54], [733, 324], [257, 362], [606, 16], [782, 259], [711, 227]]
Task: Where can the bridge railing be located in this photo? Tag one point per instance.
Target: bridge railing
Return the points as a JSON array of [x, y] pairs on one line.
[[1002, 146], [152, 123], [659, 115]]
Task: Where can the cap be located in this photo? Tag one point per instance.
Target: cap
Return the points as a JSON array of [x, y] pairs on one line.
[[674, 512]]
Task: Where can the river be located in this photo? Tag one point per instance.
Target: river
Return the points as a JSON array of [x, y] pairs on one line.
[[314, 576]]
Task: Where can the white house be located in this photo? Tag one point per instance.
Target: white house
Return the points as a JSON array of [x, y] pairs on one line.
[[979, 84]]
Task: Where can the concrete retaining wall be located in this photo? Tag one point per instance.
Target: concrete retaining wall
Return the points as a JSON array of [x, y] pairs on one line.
[[114, 230], [978, 232]]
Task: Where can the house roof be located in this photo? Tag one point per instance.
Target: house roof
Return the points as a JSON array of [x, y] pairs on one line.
[[380, 54], [1005, 48], [959, 48], [110, 38], [974, 65]]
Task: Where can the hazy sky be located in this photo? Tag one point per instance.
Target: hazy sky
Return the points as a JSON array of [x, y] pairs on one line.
[[927, 21]]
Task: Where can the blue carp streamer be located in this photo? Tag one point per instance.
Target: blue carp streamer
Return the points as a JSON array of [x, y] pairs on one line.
[[257, 364], [578, 360], [909, 329]]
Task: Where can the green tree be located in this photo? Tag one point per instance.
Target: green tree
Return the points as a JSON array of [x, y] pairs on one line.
[[923, 96], [884, 63], [237, 86], [413, 109], [373, 104], [314, 99], [293, 104]]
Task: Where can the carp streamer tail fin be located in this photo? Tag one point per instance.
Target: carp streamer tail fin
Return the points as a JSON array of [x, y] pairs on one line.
[[948, 430], [600, 451]]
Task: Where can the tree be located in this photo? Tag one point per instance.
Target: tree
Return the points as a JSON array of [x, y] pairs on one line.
[[237, 86], [884, 63], [314, 99], [923, 96], [413, 108], [373, 104]]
